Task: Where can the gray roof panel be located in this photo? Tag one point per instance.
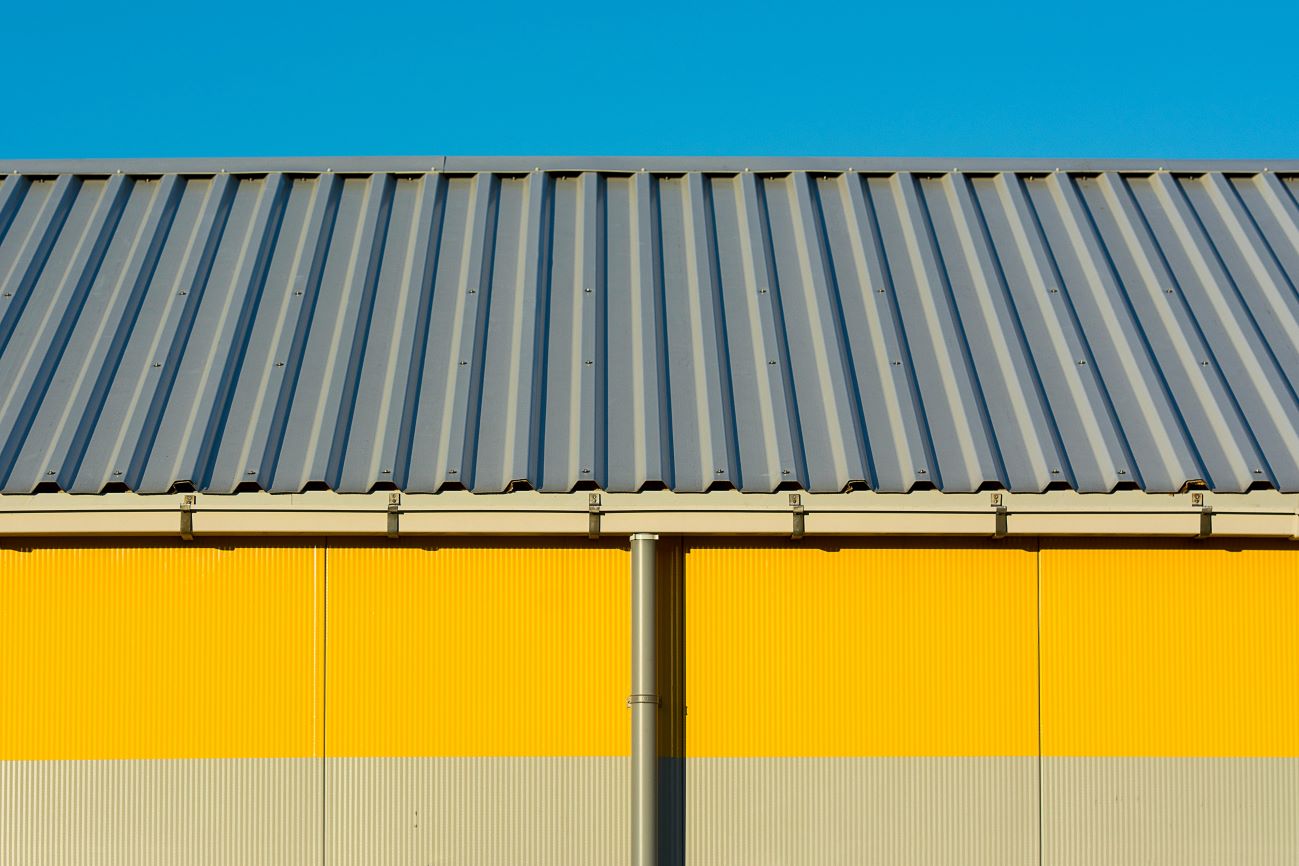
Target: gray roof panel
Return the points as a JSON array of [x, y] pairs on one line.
[[552, 323]]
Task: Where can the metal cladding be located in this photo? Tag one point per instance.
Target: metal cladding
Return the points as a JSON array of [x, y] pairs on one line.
[[504, 324], [937, 701]]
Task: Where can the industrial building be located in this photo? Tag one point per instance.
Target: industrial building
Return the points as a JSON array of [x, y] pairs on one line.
[[510, 511]]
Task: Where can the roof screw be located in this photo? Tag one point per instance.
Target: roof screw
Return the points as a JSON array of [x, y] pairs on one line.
[[588, 363], [588, 290], [117, 473], [719, 471], [473, 291], [387, 472], [586, 471], [771, 363], [1082, 363], [922, 472], [1204, 363], [896, 363], [463, 363], [1055, 471], [453, 471], [785, 472], [1258, 471], [251, 472], [9, 294], [1168, 291], [157, 363], [49, 471], [279, 363], [1054, 291], [1123, 472]]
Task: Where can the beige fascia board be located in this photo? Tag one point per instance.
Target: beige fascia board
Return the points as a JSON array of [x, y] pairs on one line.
[[1259, 514]]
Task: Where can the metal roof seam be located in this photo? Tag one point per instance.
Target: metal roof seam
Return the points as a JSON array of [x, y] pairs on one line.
[[363, 326]]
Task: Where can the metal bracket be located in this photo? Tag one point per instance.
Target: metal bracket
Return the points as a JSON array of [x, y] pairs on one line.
[[800, 522], [1000, 530], [645, 699], [1206, 522], [187, 517], [394, 514], [593, 518]]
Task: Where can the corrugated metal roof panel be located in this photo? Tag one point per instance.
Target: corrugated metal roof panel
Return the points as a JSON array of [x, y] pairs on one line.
[[498, 324]]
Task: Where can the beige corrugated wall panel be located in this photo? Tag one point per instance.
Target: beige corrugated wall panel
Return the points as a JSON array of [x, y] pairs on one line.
[[1170, 710], [162, 704], [498, 811], [852, 811], [861, 703], [1170, 811], [482, 686], [172, 812]]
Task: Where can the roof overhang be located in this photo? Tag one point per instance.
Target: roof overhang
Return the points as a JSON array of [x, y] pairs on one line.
[[1259, 514]]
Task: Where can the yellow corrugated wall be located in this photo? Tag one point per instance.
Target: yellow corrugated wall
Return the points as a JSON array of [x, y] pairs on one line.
[[1170, 650], [207, 651], [478, 649], [860, 650], [160, 651]]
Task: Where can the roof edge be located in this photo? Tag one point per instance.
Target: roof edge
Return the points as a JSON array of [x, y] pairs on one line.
[[627, 164], [218, 165], [1259, 514]]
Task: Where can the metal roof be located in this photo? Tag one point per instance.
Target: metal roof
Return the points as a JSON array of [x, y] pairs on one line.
[[493, 324]]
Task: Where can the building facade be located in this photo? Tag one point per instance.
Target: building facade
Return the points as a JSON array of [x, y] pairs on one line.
[[502, 511]]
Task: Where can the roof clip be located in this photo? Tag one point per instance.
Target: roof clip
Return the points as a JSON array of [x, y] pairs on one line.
[[1000, 529], [187, 517], [394, 514], [593, 515], [800, 522]]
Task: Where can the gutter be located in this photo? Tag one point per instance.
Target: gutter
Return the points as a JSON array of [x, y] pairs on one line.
[[1257, 514]]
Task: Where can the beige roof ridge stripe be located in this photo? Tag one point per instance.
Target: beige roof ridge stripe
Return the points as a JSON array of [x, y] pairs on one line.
[[1259, 514]]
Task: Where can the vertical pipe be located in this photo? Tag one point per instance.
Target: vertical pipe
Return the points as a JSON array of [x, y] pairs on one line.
[[644, 703]]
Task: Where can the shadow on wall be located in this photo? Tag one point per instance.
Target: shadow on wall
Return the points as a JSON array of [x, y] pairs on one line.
[[672, 811], [671, 670]]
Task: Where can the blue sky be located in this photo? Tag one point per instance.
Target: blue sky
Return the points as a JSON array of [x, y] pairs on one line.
[[1014, 79]]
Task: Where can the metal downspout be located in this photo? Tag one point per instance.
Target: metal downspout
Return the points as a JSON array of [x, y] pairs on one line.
[[644, 703]]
